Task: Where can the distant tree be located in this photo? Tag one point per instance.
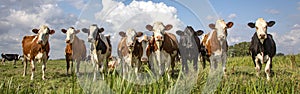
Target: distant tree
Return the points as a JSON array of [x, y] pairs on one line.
[[279, 54], [239, 49]]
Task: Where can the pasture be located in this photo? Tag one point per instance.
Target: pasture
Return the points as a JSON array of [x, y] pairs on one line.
[[241, 79]]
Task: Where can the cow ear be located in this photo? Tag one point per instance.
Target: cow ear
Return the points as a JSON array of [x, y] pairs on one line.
[[271, 23], [52, 32], [212, 26], [100, 30], [168, 27], [85, 30], [229, 24], [64, 31], [179, 32], [199, 32], [251, 25], [77, 31], [139, 34], [35, 31], [149, 27], [122, 34]]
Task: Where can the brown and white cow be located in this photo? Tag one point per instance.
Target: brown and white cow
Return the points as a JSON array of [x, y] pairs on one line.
[[189, 44], [166, 43], [36, 48], [75, 49], [216, 43], [100, 48], [130, 50], [262, 47]]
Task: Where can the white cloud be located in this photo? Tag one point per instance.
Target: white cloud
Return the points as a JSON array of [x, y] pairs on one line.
[[19, 17], [272, 11], [116, 16], [231, 16]]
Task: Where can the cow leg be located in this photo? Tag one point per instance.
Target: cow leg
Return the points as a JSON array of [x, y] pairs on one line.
[[96, 69], [224, 60], [44, 68], [68, 64], [32, 68], [195, 60], [268, 68], [258, 66], [3, 60], [184, 65], [15, 63], [173, 65], [77, 67], [25, 67]]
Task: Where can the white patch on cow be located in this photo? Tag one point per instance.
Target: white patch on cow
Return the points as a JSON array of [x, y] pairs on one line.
[[39, 55], [259, 56], [261, 28], [70, 35], [218, 52], [220, 28]]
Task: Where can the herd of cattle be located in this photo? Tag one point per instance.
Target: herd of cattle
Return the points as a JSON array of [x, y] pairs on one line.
[[162, 48]]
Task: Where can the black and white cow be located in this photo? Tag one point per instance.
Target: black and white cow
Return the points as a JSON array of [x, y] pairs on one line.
[[10, 57], [100, 48], [189, 46], [263, 47]]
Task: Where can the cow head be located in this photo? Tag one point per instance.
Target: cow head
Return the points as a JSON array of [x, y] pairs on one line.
[[93, 32], [71, 32], [145, 45], [188, 35], [131, 37], [221, 28], [158, 30], [261, 27], [43, 34]]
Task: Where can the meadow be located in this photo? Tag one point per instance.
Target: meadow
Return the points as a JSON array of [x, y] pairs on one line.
[[241, 78]]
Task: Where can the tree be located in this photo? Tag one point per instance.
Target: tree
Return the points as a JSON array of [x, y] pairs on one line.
[[239, 49]]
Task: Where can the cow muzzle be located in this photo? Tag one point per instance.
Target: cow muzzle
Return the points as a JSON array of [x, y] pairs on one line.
[[262, 36], [144, 59], [67, 41], [91, 40], [40, 42]]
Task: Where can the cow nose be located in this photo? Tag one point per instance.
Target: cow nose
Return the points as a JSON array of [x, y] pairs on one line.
[[131, 45], [67, 41], [40, 41], [262, 35], [89, 39], [144, 59], [159, 37]]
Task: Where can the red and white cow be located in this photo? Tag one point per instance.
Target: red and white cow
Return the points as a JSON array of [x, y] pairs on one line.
[[216, 43], [167, 45], [100, 48], [75, 49], [130, 50], [262, 47], [36, 48]]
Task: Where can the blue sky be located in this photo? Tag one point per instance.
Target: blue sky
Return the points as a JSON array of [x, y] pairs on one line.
[[17, 18]]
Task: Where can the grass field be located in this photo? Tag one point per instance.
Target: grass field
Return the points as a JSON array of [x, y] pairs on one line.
[[241, 79]]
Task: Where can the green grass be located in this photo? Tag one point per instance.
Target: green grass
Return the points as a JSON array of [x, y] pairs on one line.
[[241, 79]]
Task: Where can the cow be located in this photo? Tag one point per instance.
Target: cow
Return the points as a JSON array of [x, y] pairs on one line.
[[100, 48], [167, 45], [189, 47], [37, 48], [75, 50], [216, 44], [10, 57], [130, 50], [262, 47]]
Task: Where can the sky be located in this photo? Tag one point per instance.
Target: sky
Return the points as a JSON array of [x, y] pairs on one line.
[[19, 17]]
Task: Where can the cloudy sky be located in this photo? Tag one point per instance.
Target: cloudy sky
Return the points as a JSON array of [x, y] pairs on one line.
[[19, 17]]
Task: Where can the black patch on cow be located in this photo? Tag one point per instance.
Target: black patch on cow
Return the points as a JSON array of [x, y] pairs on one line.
[[268, 47], [101, 45], [10, 57]]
